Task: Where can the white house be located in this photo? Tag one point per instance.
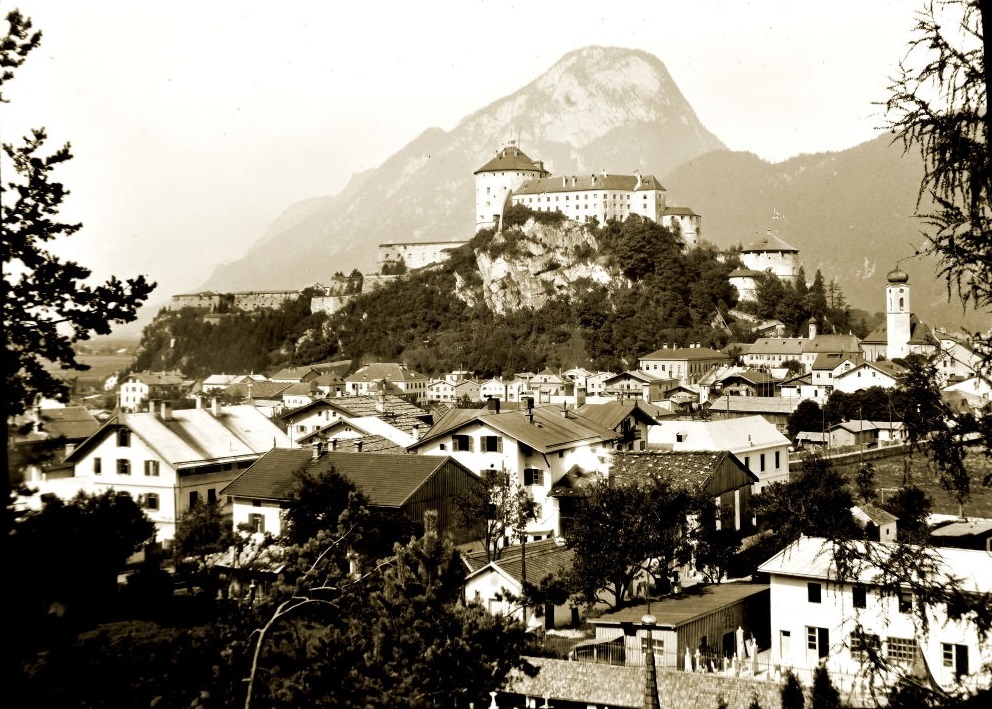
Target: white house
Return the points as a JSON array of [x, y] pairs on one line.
[[819, 616], [371, 378], [171, 460], [864, 374], [140, 388], [399, 419], [536, 446], [756, 442]]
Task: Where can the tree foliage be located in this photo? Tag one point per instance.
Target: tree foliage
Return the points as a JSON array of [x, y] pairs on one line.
[[497, 511], [938, 106], [623, 529]]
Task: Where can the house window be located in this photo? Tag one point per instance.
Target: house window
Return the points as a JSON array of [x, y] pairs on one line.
[[862, 642], [194, 498], [813, 592], [905, 601], [256, 522], [492, 444], [123, 466], [901, 650], [777, 459], [533, 476], [151, 501], [98, 466], [818, 640], [212, 495], [151, 467], [859, 597], [762, 463], [123, 437], [955, 657], [461, 442]]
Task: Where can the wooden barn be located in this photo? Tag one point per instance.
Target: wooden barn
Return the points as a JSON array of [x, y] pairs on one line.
[[413, 484]]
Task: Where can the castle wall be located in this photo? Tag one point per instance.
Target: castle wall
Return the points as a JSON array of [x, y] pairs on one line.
[[210, 302], [784, 264], [249, 301], [416, 255]]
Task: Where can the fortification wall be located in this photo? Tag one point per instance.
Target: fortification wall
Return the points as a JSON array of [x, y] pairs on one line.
[[249, 301], [415, 255]]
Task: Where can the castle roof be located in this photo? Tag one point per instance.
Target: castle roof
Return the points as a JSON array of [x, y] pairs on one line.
[[582, 183], [769, 242], [512, 158]]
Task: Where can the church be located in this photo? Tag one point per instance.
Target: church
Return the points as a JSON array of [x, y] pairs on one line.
[[903, 333]]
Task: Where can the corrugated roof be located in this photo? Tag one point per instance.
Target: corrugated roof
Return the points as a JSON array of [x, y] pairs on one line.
[[693, 603], [387, 480], [544, 558]]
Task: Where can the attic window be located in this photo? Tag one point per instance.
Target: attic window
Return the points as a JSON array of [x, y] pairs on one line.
[[680, 437], [123, 437]]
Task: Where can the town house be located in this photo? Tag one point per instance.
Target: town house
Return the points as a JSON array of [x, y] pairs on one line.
[[170, 461], [686, 364], [537, 446], [818, 616], [378, 376], [323, 416]]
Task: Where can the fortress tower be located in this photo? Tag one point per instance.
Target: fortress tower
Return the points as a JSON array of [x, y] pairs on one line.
[[497, 178]]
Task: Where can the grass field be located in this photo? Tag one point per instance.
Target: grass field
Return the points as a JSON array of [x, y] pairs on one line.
[[889, 474], [101, 367]]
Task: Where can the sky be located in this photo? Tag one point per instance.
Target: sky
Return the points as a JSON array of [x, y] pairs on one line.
[[195, 124]]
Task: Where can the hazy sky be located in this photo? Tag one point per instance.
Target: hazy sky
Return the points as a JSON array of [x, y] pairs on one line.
[[194, 124]]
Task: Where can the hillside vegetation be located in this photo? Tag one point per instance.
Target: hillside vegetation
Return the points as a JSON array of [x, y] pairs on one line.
[[436, 319]]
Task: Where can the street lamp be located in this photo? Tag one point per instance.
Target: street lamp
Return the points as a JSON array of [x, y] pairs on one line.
[[650, 674]]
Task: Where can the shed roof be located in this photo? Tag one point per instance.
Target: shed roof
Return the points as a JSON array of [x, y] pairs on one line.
[[693, 603]]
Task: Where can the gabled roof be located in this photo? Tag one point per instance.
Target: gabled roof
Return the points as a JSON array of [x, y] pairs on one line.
[[549, 431], [866, 512], [736, 434], [390, 371], [777, 345], [832, 343], [679, 212], [295, 374], [387, 480], [643, 377], [832, 360], [584, 183], [685, 470], [393, 409], [685, 353], [812, 557], [768, 242], [72, 422], [611, 413], [369, 443], [889, 369], [752, 376], [544, 558], [258, 390], [919, 333], [368, 425], [156, 378], [190, 436]]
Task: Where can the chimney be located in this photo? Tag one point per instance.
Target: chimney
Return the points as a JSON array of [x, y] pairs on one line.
[[215, 406], [564, 413], [580, 396], [415, 432], [318, 449], [199, 401], [593, 180], [638, 174], [564, 181], [573, 180], [812, 329], [166, 410], [334, 444], [358, 446], [151, 406]]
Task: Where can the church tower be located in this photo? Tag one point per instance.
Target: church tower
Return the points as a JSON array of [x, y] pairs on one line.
[[897, 315], [495, 180]]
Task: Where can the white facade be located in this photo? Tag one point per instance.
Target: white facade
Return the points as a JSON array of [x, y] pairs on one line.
[[495, 180], [863, 376], [771, 254], [815, 618]]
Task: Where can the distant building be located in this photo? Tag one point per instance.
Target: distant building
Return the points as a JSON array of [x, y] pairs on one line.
[[903, 333], [495, 180], [686, 364], [771, 254], [140, 388]]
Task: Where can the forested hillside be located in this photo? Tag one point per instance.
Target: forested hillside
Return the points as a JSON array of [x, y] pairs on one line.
[[436, 320]]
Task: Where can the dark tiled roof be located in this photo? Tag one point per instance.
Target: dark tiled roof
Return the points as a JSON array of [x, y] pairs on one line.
[[510, 158], [585, 183], [390, 371], [583, 682], [387, 480], [612, 413], [259, 390], [768, 242], [687, 470], [73, 422], [543, 558]]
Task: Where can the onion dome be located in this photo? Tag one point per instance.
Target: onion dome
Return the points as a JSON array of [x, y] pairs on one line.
[[897, 275]]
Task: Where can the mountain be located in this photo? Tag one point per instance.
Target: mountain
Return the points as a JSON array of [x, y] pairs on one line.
[[850, 214], [597, 108]]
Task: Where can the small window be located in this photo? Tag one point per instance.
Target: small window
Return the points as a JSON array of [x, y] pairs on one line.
[[98, 466], [762, 462], [194, 498], [859, 596], [862, 643], [123, 466], [492, 444], [905, 601], [151, 468], [778, 460], [814, 592], [123, 437], [955, 657], [461, 442], [533, 476], [257, 523], [902, 650], [151, 501], [212, 495]]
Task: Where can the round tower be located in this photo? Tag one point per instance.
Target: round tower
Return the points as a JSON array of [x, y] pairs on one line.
[[497, 178], [772, 254], [897, 314]]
